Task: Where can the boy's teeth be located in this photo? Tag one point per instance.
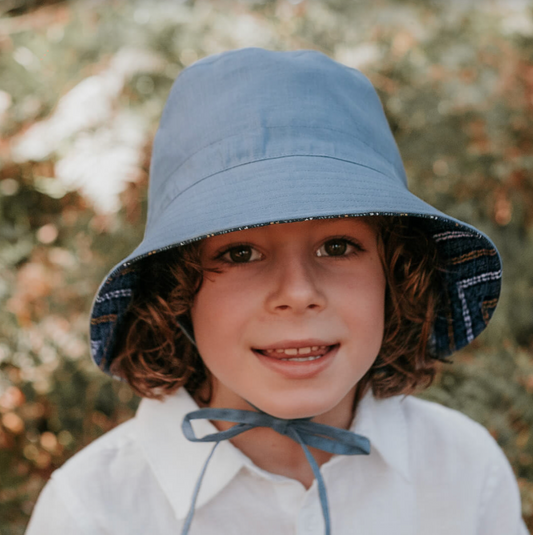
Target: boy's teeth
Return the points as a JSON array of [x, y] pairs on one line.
[[299, 351]]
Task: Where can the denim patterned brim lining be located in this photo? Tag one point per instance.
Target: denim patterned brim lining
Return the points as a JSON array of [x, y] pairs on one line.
[[252, 137]]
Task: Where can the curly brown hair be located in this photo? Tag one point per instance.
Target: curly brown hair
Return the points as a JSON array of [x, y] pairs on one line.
[[156, 358]]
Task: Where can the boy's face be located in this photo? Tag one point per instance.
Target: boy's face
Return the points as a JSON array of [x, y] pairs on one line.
[[290, 282]]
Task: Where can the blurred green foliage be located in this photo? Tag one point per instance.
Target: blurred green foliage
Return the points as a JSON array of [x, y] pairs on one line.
[[457, 86]]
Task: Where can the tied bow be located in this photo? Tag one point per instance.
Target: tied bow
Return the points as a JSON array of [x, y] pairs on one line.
[[301, 430]]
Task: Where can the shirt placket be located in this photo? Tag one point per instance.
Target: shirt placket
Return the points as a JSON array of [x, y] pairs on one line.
[[310, 520]]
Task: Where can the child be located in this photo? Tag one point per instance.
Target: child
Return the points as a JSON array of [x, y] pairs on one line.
[[289, 283]]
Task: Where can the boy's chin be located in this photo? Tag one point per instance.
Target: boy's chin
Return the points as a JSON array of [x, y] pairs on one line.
[[322, 410], [328, 405]]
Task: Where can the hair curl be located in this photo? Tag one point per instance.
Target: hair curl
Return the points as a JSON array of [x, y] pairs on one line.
[[156, 358]]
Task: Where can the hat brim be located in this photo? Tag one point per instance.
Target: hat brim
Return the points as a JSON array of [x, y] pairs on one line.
[[295, 188]]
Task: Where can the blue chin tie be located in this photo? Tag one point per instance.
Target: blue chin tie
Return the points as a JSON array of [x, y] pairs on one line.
[[301, 430]]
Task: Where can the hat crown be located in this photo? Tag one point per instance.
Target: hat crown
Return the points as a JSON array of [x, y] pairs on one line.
[[252, 104]]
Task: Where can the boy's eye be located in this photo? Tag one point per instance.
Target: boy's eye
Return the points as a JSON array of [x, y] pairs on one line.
[[337, 247], [240, 254]]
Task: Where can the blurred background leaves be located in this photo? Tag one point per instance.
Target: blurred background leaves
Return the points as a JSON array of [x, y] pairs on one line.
[[82, 86]]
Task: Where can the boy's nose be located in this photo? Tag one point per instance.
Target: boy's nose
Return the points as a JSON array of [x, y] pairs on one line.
[[296, 285]]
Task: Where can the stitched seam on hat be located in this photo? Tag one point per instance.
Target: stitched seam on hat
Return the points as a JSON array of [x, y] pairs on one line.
[[163, 182], [165, 205]]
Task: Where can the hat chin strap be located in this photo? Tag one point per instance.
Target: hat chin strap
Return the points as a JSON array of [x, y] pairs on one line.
[[187, 328]]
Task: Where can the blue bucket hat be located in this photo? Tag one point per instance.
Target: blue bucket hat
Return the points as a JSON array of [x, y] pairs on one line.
[[252, 137]]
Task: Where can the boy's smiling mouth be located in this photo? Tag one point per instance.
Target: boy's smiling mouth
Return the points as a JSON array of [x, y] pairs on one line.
[[296, 350], [295, 365]]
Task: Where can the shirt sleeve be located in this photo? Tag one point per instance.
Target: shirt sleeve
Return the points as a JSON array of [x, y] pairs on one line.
[[500, 509], [55, 513]]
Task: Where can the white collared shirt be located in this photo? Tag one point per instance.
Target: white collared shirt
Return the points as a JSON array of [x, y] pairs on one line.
[[431, 470]]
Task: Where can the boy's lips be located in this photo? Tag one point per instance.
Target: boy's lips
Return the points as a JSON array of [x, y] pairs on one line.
[[297, 369]]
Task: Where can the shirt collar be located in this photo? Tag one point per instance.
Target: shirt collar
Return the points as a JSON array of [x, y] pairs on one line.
[[384, 423], [177, 462]]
